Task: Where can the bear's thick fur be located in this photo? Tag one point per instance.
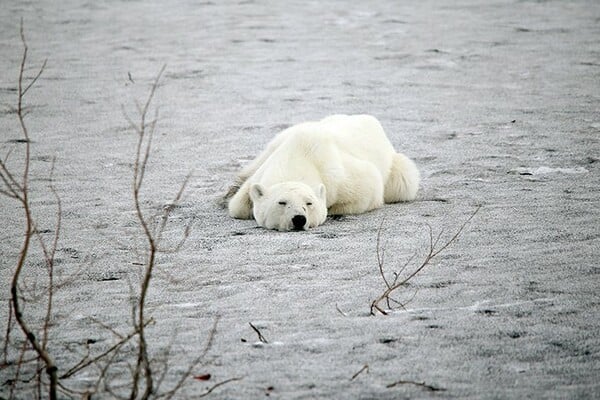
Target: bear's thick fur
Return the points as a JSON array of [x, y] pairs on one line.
[[339, 165]]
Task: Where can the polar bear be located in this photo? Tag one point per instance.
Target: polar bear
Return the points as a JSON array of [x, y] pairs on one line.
[[343, 164]]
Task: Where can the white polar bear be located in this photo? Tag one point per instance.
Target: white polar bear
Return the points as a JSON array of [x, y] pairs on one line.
[[339, 165]]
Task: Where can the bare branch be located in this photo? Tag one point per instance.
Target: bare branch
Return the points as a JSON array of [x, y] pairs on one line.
[[433, 252], [209, 391], [35, 78], [38, 347], [360, 371], [14, 189], [209, 342], [7, 335], [49, 255], [138, 178], [260, 336], [340, 311], [84, 364], [380, 254], [430, 388]]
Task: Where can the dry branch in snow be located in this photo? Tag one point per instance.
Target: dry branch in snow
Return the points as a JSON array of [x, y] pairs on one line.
[[17, 188], [399, 280], [42, 374]]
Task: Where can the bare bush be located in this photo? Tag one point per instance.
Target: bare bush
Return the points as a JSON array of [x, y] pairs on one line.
[[401, 278], [28, 358], [153, 228], [17, 188]]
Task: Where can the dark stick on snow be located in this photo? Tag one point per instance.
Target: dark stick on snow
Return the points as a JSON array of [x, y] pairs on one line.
[[431, 388], [260, 336], [364, 368]]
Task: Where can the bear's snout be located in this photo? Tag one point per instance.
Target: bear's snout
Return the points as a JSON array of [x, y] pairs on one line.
[[299, 221]]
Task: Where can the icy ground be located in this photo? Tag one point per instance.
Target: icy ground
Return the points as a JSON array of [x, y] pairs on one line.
[[497, 101]]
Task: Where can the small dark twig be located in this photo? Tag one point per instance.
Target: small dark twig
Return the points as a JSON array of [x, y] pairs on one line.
[[424, 385], [360, 371], [260, 336], [339, 310], [381, 255], [209, 391]]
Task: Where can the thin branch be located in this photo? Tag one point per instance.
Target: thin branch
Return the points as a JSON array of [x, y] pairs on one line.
[[260, 336], [104, 370], [430, 388], [398, 273], [18, 371], [194, 364], [360, 371], [167, 209], [29, 231], [7, 335], [13, 187], [70, 392], [340, 311], [82, 365], [35, 78], [8, 153], [381, 254], [139, 168], [209, 391], [50, 255], [9, 194], [107, 327]]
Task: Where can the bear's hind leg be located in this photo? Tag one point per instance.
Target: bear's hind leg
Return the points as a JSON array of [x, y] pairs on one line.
[[240, 205], [403, 181]]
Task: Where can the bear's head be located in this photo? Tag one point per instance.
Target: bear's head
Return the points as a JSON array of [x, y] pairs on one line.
[[289, 206]]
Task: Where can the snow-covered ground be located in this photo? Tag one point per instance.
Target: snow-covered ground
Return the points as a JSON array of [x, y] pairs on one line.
[[497, 101]]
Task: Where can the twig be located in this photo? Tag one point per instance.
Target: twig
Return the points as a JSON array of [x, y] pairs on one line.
[[7, 335], [38, 347], [18, 372], [340, 311], [260, 336], [141, 161], [103, 372], [381, 254], [431, 388], [107, 327], [84, 364], [209, 391], [49, 256], [360, 371], [209, 342]]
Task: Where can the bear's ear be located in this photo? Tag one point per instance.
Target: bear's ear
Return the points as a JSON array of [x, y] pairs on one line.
[[257, 191], [321, 193]]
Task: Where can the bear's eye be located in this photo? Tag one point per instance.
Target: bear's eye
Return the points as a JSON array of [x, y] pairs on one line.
[[309, 204], [282, 203]]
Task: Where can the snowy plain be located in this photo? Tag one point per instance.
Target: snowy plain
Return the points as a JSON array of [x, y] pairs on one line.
[[498, 102]]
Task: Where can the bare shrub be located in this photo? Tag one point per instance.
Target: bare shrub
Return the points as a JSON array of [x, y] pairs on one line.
[[17, 188], [28, 359], [153, 228], [401, 277]]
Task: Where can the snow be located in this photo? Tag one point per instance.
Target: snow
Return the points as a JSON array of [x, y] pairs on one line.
[[477, 92]]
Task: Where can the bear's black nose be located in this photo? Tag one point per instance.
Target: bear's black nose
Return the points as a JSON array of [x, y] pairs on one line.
[[299, 221]]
